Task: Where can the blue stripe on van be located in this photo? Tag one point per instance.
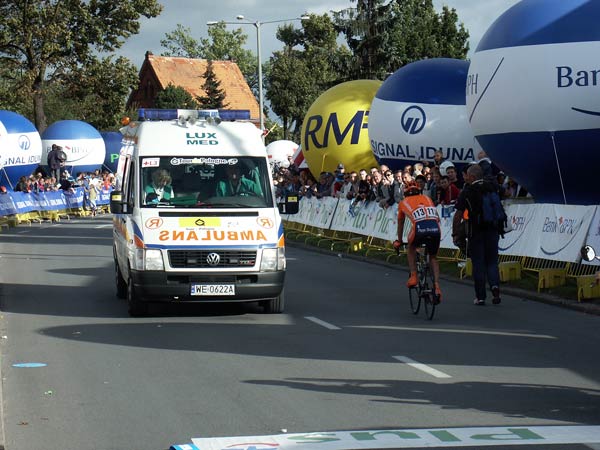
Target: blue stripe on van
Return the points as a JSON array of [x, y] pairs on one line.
[[212, 247]]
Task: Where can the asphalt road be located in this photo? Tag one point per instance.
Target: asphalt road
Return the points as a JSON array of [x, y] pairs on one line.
[[346, 356]]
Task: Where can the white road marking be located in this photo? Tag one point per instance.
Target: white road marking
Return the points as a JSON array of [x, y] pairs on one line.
[[478, 437], [423, 367], [87, 238], [109, 225], [452, 330], [322, 323]]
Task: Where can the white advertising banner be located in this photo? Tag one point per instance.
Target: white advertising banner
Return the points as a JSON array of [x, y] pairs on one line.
[[522, 219], [547, 231], [317, 212], [446, 214], [563, 232], [366, 218], [474, 437], [593, 239]]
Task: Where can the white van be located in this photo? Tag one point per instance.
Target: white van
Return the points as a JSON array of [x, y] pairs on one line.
[[195, 217]]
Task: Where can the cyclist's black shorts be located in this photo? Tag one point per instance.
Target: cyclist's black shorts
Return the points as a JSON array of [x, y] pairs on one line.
[[427, 232]]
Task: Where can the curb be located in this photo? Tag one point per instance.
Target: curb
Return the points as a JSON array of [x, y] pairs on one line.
[[584, 307]]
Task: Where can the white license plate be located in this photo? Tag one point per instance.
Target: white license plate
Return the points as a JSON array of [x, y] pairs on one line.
[[213, 289]]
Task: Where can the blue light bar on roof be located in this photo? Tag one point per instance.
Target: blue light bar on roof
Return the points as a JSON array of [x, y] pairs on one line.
[[157, 114], [234, 114], [173, 114]]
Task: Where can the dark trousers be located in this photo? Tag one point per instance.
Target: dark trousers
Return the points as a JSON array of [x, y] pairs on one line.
[[55, 173], [483, 250]]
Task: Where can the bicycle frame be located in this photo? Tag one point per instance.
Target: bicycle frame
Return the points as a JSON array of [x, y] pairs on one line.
[[424, 289]]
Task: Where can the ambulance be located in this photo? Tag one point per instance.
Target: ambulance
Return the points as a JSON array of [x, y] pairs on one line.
[[195, 218]]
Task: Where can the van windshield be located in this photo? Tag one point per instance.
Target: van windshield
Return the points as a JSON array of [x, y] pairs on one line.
[[205, 182]]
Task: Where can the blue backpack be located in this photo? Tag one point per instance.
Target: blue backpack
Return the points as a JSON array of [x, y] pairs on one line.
[[492, 212]]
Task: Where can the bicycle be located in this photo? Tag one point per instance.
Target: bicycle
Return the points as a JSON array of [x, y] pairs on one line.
[[424, 290]]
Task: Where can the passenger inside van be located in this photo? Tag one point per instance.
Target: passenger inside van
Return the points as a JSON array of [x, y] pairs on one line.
[[237, 184], [160, 186]]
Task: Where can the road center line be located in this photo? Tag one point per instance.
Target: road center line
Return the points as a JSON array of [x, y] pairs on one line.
[[423, 367], [322, 323], [457, 331]]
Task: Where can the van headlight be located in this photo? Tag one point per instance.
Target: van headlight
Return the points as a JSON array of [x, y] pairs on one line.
[[273, 259], [148, 259]]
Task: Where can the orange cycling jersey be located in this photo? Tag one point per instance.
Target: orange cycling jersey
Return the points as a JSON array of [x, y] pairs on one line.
[[418, 208]]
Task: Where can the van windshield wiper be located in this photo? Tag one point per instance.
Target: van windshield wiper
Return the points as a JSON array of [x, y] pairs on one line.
[[223, 205]]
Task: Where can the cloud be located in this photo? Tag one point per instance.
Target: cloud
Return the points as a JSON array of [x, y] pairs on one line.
[[477, 15]]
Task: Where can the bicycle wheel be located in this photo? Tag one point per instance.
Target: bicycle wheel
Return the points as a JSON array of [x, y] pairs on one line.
[[415, 300], [428, 295], [414, 294]]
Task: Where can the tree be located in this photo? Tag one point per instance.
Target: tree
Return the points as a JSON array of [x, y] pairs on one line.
[[43, 39], [179, 42], [94, 93], [295, 78], [175, 97], [221, 45], [366, 28], [386, 36], [14, 96], [215, 96]]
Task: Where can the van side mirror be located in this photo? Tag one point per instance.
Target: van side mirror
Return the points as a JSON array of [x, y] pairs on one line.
[[117, 205], [291, 204]]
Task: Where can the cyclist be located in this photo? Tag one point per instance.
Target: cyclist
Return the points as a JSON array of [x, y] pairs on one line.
[[425, 231]]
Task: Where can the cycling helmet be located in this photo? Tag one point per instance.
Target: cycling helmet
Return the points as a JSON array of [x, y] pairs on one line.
[[411, 188]]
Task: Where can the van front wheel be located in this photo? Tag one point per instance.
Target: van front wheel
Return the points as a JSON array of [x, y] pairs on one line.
[[136, 307], [120, 282], [276, 305]]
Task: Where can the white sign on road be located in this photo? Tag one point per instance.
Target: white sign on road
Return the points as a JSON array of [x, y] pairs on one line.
[[404, 438]]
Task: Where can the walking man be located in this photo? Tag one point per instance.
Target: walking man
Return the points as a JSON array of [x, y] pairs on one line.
[[56, 160], [482, 239]]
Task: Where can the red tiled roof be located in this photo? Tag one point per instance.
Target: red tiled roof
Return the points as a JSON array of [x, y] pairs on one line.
[[189, 74]]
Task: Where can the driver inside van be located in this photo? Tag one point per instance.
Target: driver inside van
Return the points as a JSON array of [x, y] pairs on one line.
[[236, 184], [160, 187]]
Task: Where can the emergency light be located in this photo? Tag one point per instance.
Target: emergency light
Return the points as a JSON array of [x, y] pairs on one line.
[[200, 114]]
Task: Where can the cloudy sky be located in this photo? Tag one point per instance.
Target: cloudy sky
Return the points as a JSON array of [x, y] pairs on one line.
[[477, 15]]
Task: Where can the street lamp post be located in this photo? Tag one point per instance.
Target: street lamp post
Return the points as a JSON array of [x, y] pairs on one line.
[[257, 24]]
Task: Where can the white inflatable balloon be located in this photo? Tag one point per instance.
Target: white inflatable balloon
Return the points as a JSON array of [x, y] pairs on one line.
[[279, 151], [420, 109], [533, 97], [83, 144], [20, 148]]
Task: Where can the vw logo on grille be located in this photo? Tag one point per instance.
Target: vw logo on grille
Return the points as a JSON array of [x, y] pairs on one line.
[[213, 259]]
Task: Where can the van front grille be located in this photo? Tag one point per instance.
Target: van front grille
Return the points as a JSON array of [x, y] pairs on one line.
[[211, 259]]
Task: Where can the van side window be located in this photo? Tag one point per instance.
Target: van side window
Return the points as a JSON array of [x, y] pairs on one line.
[[128, 188]]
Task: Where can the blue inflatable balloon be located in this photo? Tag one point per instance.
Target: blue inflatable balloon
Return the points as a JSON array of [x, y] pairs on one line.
[[82, 143], [533, 97], [420, 109], [112, 141], [20, 148]]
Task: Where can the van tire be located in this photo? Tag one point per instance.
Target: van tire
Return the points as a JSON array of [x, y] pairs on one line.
[[136, 307], [120, 282], [276, 305]]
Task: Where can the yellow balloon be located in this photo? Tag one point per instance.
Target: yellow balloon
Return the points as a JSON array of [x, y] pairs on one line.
[[335, 128]]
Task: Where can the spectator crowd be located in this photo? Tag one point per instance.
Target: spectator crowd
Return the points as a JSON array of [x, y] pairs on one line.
[[438, 179], [91, 182]]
